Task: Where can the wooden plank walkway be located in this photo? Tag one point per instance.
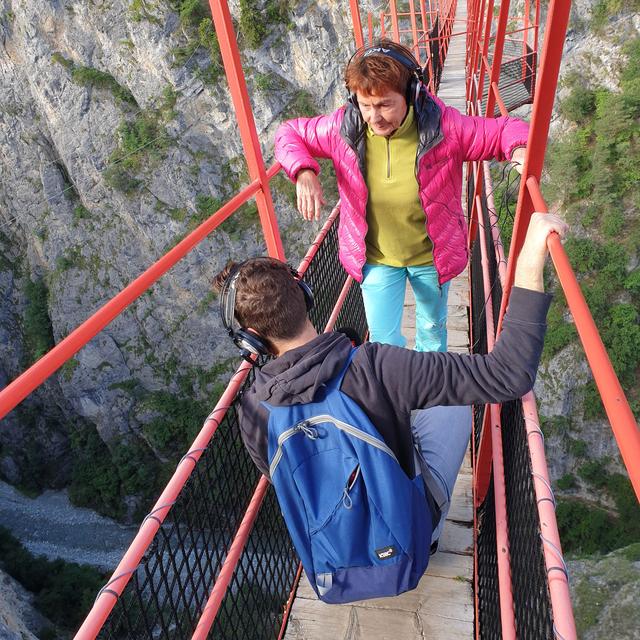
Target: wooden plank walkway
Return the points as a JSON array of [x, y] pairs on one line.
[[441, 606]]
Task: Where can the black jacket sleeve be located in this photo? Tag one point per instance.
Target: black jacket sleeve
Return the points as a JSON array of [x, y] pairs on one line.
[[417, 380]]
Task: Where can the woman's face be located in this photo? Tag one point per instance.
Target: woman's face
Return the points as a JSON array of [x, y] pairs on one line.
[[384, 113]]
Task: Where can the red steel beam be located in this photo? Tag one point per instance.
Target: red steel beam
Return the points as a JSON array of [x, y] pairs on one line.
[[244, 115], [558, 580], [623, 423], [357, 24], [394, 20], [555, 31], [109, 595], [492, 431]]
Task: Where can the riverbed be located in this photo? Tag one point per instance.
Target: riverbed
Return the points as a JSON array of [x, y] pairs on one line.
[[50, 525]]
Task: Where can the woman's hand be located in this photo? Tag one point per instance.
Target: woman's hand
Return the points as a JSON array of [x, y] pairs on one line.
[[517, 158], [309, 194]]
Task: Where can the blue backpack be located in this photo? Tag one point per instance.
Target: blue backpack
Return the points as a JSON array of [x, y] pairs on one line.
[[361, 526]]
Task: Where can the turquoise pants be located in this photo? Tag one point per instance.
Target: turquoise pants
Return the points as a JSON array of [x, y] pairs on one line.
[[383, 290]]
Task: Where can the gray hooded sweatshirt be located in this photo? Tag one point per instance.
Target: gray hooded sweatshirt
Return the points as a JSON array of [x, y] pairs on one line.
[[389, 382]]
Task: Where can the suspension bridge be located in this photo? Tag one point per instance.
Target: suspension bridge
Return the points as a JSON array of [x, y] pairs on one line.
[[213, 557]]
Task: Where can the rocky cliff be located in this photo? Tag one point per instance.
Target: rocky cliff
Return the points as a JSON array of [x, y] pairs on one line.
[[117, 137]]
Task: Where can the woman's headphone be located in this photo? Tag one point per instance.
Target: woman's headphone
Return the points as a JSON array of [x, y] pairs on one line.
[[249, 343], [408, 61]]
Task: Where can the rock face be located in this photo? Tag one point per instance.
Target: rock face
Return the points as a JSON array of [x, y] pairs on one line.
[[113, 145], [605, 592], [18, 619]]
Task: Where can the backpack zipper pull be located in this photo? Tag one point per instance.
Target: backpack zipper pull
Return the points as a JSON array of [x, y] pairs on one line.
[[309, 432]]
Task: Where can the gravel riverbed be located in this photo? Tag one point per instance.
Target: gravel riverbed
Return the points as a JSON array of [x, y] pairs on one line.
[[50, 525]]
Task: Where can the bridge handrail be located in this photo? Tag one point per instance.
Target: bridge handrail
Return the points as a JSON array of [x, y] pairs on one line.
[[37, 373], [104, 604]]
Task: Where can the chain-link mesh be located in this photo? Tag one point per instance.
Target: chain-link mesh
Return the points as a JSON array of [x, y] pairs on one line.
[[531, 597], [517, 76], [436, 64], [169, 589], [528, 576]]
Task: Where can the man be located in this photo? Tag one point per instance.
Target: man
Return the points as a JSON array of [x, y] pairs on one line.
[[388, 382]]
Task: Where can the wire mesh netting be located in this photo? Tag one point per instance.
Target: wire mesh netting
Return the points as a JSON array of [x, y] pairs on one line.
[[532, 605], [517, 76], [170, 587]]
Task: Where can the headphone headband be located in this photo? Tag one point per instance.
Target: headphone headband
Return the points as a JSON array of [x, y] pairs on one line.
[[405, 61]]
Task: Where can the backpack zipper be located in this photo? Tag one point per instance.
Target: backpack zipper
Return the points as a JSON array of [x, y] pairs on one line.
[[304, 427]]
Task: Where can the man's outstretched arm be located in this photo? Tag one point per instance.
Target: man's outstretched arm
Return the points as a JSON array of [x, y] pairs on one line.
[[419, 380]]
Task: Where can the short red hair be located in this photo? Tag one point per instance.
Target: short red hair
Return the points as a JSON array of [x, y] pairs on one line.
[[377, 73]]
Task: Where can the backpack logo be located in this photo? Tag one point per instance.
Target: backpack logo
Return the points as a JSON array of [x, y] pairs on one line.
[[386, 552]]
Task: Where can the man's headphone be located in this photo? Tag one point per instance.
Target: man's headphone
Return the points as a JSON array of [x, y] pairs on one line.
[[408, 61], [249, 343]]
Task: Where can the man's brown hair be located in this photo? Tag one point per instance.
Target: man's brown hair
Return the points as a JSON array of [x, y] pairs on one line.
[[375, 74], [268, 298]]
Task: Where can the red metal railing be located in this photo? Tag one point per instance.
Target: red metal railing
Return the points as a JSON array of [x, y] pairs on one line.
[[417, 24], [480, 40], [22, 386]]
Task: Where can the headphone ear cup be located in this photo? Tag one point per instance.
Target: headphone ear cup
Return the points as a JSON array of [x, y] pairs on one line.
[[250, 342], [308, 294]]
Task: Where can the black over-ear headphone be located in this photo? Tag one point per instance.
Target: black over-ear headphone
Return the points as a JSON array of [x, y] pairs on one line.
[[417, 74], [249, 343]]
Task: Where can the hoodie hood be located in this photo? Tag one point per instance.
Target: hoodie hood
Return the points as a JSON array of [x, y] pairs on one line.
[[295, 377]]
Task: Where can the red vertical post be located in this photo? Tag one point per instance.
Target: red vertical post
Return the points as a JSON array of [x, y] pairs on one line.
[[357, 24], [240, 97], [496, 62], [483, 53], [414, 30], [425, 32], [370, 27], [393, 11], [554, 35]]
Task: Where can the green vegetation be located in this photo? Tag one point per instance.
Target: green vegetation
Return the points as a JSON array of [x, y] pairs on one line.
[[179, 420], [568, 481], [38, 333], [67, 369], [605, 9], [101, 477], [594, 171], [143, 10], [141, 143], [197, 26], [301, 106], [179, 416], [91, 77], [256, 24], [80, 212], [586, 529], [265, 81], [64, 592]]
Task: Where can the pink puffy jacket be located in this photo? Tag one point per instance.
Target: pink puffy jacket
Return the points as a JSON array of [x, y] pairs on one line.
[[446, 139]]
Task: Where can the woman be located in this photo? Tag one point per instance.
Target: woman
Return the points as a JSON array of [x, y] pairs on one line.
[[398, 153]]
